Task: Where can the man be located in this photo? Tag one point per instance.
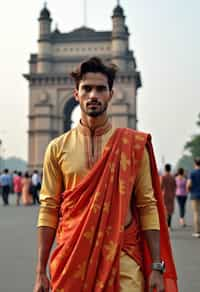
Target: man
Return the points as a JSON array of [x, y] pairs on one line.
[[5, 181], [168, 186], [35, 179], [193, 186], [97, 197]]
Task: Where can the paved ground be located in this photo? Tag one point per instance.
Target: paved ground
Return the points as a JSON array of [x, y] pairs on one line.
[[18, 250]]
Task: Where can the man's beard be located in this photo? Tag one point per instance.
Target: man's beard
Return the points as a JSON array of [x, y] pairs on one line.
[[94, 113]]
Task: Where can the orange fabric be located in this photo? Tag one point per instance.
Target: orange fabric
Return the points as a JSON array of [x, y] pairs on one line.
[[90, 236], [170, 276], [130, 245]]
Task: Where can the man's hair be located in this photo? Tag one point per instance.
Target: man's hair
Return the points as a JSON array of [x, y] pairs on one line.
[[95, 65], [197, 161], [167, 167]]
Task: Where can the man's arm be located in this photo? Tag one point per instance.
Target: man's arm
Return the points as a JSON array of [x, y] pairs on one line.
[[48, 216], [153, 241], [149, 219], [189, 185], [46, 237]]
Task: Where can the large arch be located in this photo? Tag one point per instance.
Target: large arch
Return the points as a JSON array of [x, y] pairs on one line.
[[67, 113]]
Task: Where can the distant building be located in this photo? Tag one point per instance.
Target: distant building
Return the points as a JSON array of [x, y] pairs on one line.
[[50, 87]]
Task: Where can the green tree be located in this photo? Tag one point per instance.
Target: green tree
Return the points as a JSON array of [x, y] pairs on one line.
[[186, 162], [193, 146]]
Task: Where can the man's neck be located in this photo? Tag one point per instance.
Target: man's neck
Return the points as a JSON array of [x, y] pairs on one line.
[[94, 122]]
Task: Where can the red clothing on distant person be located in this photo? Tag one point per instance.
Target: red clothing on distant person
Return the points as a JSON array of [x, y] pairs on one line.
[[17, 182], [168, 186]]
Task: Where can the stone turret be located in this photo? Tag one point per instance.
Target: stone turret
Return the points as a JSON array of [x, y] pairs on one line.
[[44, 45], [120, 37]]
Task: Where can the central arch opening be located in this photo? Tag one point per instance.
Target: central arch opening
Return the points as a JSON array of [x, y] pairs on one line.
[[71, 114], [75, 116]]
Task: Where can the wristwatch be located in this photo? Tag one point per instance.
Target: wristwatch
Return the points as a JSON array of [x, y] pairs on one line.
[[159, 266]]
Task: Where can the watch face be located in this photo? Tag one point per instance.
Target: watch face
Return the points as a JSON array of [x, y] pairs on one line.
[[163, 266], [159, 266]]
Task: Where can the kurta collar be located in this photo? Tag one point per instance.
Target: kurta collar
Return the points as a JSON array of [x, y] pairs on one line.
[[97, 132]]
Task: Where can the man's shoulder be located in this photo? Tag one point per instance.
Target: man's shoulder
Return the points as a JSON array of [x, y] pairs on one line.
[[58, 141], [195, 172]]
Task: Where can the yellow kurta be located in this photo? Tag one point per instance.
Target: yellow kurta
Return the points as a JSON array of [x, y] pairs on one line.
[[70, 157]]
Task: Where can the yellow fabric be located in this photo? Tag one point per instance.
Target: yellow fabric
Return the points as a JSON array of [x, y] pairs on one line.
[[131, 277], [69, 158]]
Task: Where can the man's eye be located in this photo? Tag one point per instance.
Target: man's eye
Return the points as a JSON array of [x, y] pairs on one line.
[[87, 88], [101, 88]]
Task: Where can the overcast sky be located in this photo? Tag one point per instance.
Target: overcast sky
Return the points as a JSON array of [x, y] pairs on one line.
[[166, 44]]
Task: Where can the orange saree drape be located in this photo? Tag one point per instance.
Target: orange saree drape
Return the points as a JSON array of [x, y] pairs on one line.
[[91, 235]]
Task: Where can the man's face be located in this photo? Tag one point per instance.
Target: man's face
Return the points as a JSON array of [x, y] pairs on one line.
[[93, 94]]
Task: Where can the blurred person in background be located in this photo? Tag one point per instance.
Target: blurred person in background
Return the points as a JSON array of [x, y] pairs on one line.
[[36, 185], [17, 186], [181, 194], [193, 186], [26, 187], [168, 186], [5, 180]]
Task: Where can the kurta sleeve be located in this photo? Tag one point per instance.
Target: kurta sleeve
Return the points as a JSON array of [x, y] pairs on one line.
[[51, 189], [145, 199]]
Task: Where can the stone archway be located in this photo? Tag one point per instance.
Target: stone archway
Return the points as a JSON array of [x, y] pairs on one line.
[[68, 111]]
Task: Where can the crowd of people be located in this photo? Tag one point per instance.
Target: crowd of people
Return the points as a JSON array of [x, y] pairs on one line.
[[24, 186], [178, 187]]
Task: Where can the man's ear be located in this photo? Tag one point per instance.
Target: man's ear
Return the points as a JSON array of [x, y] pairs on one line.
[[75, 93], [111, 94]]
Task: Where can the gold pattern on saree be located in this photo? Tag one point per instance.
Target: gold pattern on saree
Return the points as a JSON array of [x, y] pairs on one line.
[[122, 187], [100, 234], [111, 248], [54, 264], [112, 278], [85, 286], [117, 151], [137, 146], [139, 137], [112, 167], [80, 273], [95, 207], [97, 195], [108, 230], [124, 162], [106, 207], [100, 284], [89, 234], [122, 228], [125, 141]]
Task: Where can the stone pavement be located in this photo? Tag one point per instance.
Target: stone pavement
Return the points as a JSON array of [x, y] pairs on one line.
[[18, 250]]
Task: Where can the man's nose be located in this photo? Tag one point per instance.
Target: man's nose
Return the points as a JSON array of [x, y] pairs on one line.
[[94, 94]]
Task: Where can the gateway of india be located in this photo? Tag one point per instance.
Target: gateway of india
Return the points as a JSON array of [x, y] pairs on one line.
[[51, 101]]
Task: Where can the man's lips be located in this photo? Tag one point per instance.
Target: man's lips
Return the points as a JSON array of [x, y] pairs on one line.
[[93, 104]]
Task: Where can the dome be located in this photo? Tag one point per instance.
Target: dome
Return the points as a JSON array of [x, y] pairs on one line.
[[45, 14], [118, 11]]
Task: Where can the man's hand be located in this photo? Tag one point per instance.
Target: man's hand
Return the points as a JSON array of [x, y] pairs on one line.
[[156, 281], [41, 283]]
